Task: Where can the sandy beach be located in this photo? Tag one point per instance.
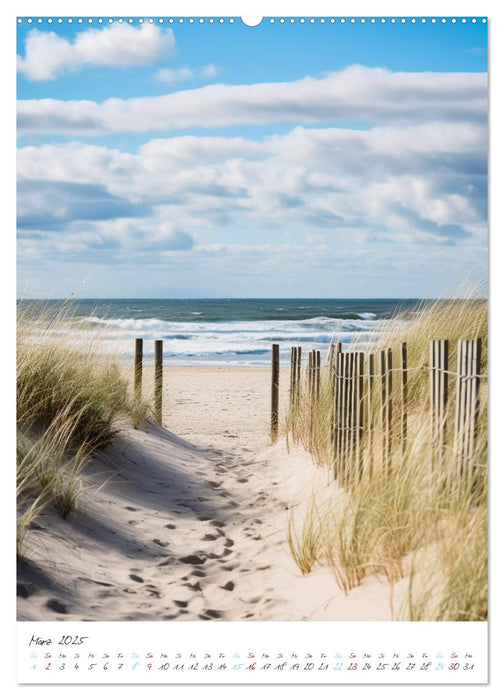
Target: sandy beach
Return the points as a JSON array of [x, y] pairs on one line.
[[189, 521]]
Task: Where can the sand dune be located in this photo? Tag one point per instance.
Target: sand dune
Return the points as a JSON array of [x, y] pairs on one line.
[[170, 528]]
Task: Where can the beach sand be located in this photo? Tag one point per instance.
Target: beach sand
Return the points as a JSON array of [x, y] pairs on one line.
[[189, 521]]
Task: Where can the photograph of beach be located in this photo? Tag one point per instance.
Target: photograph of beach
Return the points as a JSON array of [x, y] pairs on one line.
[[252, 352]]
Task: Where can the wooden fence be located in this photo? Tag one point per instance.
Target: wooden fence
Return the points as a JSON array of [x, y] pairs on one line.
[[370, 399], [158, 376]]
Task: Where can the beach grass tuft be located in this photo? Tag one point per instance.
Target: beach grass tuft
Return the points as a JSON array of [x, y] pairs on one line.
[[70, 403]]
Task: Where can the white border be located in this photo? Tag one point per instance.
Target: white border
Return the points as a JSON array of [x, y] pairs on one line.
[[273, 8]]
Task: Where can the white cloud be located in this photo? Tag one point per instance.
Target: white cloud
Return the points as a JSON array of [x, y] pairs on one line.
[[423, 184], [356, 93], [184, 74], [47, 55]]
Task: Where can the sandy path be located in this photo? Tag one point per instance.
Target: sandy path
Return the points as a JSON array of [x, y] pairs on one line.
[[170, 528], [221, 407]]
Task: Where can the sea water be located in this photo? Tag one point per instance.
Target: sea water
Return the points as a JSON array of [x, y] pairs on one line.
[[230, 332]]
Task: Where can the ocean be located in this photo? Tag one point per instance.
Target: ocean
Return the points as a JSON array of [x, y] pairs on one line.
[[217, 332]]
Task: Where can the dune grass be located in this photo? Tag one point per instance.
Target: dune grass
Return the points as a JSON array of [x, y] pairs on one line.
[[70, 403], [422, 518]]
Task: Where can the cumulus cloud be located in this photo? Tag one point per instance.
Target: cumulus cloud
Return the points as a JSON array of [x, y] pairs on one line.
[[48, 56], [421, 184], [356, 93], [184, 74]]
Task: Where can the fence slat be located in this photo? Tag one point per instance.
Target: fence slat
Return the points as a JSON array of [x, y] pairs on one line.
[[370, 412], [137, 385], [346, 415], [404, 397], [351, 418], [468, 402], [158, 381], [336, 413], [475, 394], [298, 375], [439, 396], [386, 405], [292, 380], [275, 375], [359, 411]]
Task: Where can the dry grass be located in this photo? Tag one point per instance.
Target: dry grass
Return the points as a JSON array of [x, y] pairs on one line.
[[420, 518], [69, 404]]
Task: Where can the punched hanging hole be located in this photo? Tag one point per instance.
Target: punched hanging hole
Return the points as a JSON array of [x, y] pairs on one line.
[[251, 21]]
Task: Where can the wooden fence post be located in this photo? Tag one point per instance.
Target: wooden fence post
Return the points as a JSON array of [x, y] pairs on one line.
[[467, 401], [386, 405], [359, 410], [292, 377], [317, 374], [298, 375], [475, 393], [275, 374], [439, 395], [338, 413], [404, 397], [346, 414], [370, 411], [137, 384], [158, 381]]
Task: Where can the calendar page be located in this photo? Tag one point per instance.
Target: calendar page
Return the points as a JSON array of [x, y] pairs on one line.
[[252, 347]]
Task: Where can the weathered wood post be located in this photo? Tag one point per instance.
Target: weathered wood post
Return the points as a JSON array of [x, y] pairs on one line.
[[298, 375], [317, 373], [404, 397], [439, 395], [467, 404], [158, 381], [370, 412], [292, 386], [137, 385], [275, 375], [386, 405], [359, 411]]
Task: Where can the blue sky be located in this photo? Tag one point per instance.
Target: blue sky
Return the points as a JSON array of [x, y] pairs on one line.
[[176, 160]]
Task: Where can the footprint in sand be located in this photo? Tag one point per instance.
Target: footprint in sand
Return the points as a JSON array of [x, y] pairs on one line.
[[214, 484], [229, 567], [136, 578], [197, 572], [215, 614], [153, 591], [166, 562], [229, 586], [58, 607], [160, 543], [228, 543], [216, 523], [209, 536], [192, 559], [25, 591], [131, 508], [243, 481], [194, 586], [170, 526]]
